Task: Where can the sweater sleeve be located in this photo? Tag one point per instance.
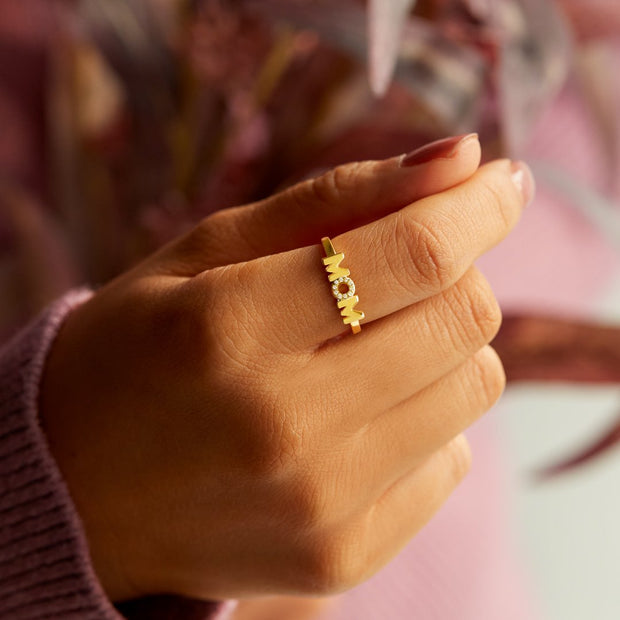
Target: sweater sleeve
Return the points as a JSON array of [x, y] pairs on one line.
[[45, 569]]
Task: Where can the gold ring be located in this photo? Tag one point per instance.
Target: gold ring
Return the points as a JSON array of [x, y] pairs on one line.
[[343, 287]]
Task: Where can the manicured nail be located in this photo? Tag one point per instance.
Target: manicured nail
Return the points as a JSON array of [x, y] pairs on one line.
[[523, 178], [440, 149]]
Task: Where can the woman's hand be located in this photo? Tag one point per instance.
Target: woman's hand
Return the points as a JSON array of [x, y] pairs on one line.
[[222, 434]]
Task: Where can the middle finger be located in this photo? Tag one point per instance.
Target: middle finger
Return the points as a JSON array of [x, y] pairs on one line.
[[409, 350]]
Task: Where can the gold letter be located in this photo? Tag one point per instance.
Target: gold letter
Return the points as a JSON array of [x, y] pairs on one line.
[[348, 311], [333, 268]]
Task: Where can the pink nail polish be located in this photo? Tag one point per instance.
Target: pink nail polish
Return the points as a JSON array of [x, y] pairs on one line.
[[523, 178], [440, 149]]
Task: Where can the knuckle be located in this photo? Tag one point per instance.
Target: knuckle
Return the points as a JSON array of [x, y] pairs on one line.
[[487, 377], [336, 184], [320, 490], [485, 310], [430, 261], [334, 563], [498, 194], [316, 501], [274, 447], [458, 459], [477, 313], [310, 509]]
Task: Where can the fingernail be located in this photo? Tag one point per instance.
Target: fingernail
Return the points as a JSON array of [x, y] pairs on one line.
[[440, 149], [523, 178]]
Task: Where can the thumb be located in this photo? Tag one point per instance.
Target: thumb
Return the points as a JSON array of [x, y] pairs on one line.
[[341, 199]]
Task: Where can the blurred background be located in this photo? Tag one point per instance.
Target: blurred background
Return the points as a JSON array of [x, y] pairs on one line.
[[124, 122]]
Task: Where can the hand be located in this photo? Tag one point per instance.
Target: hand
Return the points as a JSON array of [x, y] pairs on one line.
[[218, 436]]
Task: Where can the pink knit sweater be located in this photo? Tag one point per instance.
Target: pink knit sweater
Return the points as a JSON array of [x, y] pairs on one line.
[[45, 570]]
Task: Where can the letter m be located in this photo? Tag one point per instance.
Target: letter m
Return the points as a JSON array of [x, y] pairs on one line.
[[332, 265], [348, 311]]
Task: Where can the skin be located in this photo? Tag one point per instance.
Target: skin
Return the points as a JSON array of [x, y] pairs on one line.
[[223, 434]]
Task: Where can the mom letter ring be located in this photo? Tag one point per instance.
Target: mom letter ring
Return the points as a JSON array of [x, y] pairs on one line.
[[343, 288]]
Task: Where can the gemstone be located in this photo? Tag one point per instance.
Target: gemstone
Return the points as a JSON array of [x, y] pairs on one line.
[[340, 295]]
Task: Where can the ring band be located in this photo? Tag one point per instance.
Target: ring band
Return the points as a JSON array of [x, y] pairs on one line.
[[343, 287]]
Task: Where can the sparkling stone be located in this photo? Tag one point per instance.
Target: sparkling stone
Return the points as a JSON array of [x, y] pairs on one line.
[[337, 285]]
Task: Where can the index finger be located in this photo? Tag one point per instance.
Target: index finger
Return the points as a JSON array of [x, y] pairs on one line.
[[343, 198], [396, 261]]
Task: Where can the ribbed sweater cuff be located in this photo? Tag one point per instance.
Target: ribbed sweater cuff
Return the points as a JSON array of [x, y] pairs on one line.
[[45, 570]]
